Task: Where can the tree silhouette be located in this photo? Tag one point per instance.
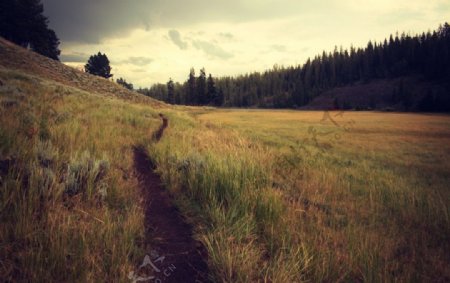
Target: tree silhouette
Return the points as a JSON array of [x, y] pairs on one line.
[[201, 87], [170, 91], [211, 92], [191, 98], [98, 65], [23, 22], [47, 44]]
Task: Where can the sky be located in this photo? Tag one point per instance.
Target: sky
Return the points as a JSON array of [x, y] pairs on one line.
[[151, 41]]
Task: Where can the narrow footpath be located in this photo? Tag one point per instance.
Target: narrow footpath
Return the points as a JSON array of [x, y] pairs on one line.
[[174, 256]]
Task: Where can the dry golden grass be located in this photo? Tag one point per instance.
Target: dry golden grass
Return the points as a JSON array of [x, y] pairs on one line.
[[69, 203], [275, 196], [366, 193]]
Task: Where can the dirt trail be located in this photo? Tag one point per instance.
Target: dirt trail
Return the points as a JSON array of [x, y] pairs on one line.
[[174, 256], [159, 133]]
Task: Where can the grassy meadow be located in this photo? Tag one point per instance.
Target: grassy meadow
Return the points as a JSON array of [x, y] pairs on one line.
[[275, 196], [289, 196]]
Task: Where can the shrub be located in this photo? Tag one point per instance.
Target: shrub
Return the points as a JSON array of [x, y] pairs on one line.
[[85, 175]]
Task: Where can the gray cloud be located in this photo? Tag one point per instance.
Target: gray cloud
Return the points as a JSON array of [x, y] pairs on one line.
[[137, 61], [176, 39], [89, 21], [74, 57], [79, 57], [212, 49]]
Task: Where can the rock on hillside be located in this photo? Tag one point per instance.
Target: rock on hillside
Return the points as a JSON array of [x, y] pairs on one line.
[[17, 58]]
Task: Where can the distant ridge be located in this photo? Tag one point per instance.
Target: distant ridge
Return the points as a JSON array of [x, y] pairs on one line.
[[14, 57]]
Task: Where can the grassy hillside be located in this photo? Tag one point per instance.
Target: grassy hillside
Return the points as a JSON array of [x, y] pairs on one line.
[[70, 209], [13, 57]]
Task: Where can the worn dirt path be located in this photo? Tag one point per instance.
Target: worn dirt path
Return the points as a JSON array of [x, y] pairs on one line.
[[175, 256]]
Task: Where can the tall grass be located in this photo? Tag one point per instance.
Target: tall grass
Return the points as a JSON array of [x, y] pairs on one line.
[[70, 209], [226, 188], [372, 206], [269, 202]]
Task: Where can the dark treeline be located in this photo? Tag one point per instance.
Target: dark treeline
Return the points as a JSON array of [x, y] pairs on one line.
[[201, 90], [426, 55]]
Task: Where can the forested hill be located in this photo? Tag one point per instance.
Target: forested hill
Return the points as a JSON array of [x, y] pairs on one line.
[[403, 72]]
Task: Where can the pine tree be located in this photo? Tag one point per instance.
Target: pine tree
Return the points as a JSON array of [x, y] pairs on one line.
[[211, 93], [99, 65], [8, 22], [23, 22], [201, 87], [220, 98], [191, 98], [170, 91], [47, 44]]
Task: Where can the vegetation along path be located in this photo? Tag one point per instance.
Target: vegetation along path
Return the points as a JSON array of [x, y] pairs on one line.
[[175, 256]]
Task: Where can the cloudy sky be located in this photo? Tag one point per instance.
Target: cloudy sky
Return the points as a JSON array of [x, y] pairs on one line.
[[149, 41]]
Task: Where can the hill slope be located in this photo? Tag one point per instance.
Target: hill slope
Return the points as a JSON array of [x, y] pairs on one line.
[[14, 57]]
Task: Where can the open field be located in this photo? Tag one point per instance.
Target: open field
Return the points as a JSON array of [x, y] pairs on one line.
[[275, 196], [291, 196]]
